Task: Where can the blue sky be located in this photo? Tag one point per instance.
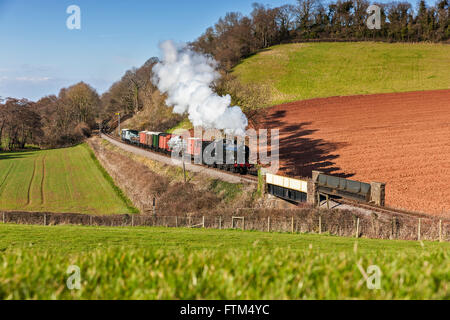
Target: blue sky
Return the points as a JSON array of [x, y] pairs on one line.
[[39, 55]]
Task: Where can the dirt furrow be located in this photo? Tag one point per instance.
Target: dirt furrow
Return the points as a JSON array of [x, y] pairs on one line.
[[42, 181], [31, 182]]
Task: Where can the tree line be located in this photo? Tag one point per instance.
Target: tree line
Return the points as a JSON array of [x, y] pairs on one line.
[[237, 36], [53, 121]]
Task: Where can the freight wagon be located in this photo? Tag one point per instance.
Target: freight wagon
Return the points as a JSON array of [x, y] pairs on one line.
[[155, 140], [143, 138], [164, 139], [195, 147], [148, 140], [130, 136]]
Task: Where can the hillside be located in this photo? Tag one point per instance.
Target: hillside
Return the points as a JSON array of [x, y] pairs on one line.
[[62, 181], [316, 70]]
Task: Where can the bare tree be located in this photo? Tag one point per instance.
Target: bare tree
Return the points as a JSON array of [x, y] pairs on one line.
[[285, 19], [82, 102], [19, 124], [306, 10], [264, 25]]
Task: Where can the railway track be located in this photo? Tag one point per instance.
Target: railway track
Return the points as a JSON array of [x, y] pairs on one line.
[[237, 177], [387, 211]]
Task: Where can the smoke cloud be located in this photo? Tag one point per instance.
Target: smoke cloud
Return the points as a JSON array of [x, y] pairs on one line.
[[186, 76]]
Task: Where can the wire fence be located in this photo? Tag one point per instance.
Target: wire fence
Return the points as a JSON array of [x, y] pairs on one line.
[[333, 222]]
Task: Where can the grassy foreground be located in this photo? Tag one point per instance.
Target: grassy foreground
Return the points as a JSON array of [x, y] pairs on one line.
[[61, 180], [159, 263], [304, 71]]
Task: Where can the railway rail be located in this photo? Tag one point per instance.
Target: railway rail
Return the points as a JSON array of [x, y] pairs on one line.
[[388, 211]]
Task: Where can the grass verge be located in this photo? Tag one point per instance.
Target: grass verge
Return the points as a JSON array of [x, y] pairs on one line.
[[108, 178]]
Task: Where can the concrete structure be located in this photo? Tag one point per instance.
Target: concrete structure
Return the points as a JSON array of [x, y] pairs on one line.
[[326, 186], [378, 193], [312, 188]]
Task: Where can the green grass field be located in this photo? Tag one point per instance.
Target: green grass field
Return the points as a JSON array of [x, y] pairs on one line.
[[159, 263], [305, 71], [62, 180]]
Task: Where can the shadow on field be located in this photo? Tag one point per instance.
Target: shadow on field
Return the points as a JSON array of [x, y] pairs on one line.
[[301, 154], [253, 54], [11, 156]]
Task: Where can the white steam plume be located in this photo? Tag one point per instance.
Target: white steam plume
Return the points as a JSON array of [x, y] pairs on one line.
[[186, 77]]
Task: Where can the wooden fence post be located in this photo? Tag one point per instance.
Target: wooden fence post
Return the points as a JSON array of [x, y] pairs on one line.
[[373, 224], [394, 230], [268, 224], [45, 219], [328, 202], [357, 228], [203, 222], [3, 218], [419, 230], [132, 220], [176, 222], [243, 223], [292, 225], [320, 223], [184, 170], [441, 239], [220, 222]]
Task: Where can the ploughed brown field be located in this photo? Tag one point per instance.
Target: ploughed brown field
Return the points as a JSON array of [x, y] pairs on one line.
[[402, 139]]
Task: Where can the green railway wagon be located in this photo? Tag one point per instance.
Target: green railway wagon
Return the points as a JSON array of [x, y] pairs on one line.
[[151, 139], [155, 144]]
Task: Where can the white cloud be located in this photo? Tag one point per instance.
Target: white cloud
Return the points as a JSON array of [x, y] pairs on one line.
[[32, 79]]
